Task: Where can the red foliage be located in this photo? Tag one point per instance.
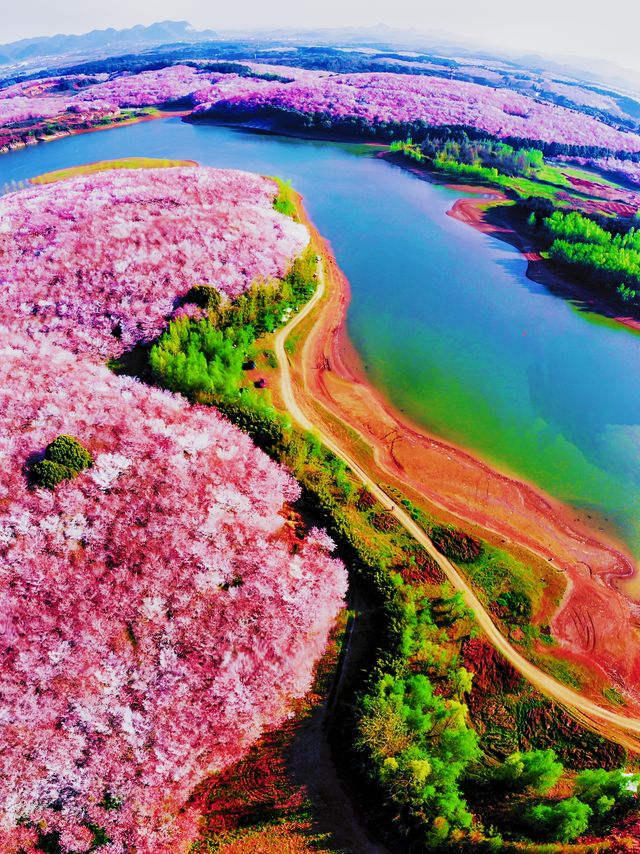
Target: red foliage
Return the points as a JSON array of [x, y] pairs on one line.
[[365, 500], [423, 570], [492, 673], [384, 521], [456, 544]]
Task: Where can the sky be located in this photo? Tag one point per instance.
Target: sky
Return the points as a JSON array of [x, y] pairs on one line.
[[560, 27]]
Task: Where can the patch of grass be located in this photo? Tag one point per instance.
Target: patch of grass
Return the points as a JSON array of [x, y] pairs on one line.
[[106, 165], [270, 358], [588, 175], [291, 344], [284, 202], [553, 175], [566, 672], [612, 696]]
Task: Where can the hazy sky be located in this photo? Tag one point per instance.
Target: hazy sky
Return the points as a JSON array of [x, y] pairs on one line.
[[567, 27]]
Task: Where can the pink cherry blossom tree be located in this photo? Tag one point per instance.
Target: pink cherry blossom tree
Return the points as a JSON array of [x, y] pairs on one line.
[[156, 612], [100, 261]]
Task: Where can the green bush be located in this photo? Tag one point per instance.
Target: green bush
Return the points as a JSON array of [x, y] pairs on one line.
[[48, 474], [206, 296], [64, 458], [536, 769], [562, 821], [606, 792], [518, 605], [284, 202], [67, 451]]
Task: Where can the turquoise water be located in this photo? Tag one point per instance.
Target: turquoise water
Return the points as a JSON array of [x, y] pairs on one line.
[[444, 318]]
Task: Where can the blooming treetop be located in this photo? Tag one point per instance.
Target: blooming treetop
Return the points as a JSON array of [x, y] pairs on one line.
[[154, 615], [384, 97], [99, 261], [624, 168]]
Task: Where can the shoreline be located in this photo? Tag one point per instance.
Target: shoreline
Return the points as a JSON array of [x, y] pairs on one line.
[[471, 211], [595, 623], [539, 269], [160, 114]]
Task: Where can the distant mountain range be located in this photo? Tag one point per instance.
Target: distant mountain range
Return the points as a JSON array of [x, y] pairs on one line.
[[49, 50], [103, 41]]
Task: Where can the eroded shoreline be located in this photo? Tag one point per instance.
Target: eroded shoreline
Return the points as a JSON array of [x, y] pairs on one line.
[[596, 624]]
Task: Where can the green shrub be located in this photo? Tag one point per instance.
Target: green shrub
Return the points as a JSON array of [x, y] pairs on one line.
[[606, 792], [206, 296], [518, 605], [284, 202], [67, 451], [563, 821], [48, 474], [64, 458], [536, 769]]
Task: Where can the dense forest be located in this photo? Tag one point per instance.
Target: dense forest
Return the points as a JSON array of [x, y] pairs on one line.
[[604, 251], [487, 160]]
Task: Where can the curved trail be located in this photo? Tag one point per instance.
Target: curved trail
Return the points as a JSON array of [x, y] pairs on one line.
[[613, 725]]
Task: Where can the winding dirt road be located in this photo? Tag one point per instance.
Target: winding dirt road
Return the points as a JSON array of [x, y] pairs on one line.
[[613, 725]]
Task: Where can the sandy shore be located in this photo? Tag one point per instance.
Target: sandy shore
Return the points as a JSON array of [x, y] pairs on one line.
[[596, 624]]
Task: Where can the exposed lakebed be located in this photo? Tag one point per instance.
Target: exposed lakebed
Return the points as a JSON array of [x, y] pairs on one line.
[[444, 318]]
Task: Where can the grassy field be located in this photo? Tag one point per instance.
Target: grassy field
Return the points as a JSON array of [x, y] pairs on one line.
[[590, 175], [106, 165]]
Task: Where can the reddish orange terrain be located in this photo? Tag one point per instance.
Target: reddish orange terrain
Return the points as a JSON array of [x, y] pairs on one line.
[[597, 624], [609, 197], [254, 805]]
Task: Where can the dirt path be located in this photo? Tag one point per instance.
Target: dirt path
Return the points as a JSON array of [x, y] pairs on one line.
[[619, 727], [311, 762]]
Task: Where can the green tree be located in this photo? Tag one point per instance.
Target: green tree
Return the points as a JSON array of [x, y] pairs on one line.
[[608, 793], [418, 743], [562, 821], [64, 458], [48, 474], [69, 452], [536, 769]]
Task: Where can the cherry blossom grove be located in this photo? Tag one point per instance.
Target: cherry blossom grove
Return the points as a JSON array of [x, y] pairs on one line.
[[372, 96], [383, 97], [626, 169], [153, 87], [157, 611], [99, 261], [52, 96]]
